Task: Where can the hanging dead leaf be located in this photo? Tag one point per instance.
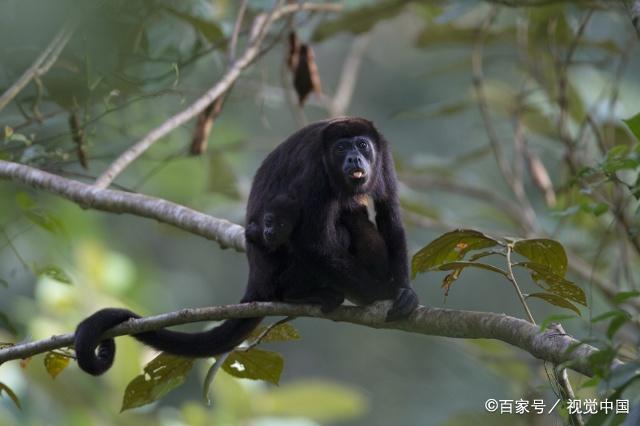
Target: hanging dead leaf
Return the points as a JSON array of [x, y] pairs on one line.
[[306, 78], [449, 280], [294, 51], [204, 124], [77, 136]]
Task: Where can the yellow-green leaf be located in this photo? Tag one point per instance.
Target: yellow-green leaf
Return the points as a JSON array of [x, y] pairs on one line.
[[553, 283], [255, 364], [556, 300], [6, 389], [222, 178], [55, 363], [544, 251], [449, 247], [163, 374], [280, 333], [633, 124], [318, 400], [45, 221], [53, 271]]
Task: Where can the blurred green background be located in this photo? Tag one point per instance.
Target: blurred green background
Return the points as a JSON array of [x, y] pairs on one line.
[[130, 65]]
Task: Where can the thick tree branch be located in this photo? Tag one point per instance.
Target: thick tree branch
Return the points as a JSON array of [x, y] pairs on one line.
[[549, 346], [225, 233]]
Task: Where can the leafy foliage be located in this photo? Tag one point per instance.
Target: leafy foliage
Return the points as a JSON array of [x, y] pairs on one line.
[[163, 374], [55, 363], [548, 263], [449, 247], [7, 390], [256, 364]]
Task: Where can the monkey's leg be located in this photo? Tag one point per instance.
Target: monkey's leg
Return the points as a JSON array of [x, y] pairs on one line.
[[328, 298]]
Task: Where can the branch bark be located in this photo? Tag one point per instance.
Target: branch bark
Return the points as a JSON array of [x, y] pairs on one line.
[[551, 346], [225, 233]]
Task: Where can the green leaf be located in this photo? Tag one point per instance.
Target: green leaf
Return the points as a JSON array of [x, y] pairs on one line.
[[485, 254], [615, 325], [618, 318], [633, 124], [45, 221], [210, 30], [54, 272], [163, 374], [322, 401], [55, 363], [623, 374], [449, 247], [611, 314], [4, 283], [8, 132], [255, 364], [222, 178], [555, 300], [544, 251], [7, 324], [280, 333], [462, 264], [25, 201], [6, 389], [359, 20], [544, 277], [623, 296]]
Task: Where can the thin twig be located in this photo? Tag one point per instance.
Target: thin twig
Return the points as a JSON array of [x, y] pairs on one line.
[[264, 333], [349, 76], [512, 278], [260, 29], [41, 65], [503, 165]]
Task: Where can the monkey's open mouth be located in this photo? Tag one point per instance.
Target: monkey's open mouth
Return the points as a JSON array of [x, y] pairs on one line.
[[356, 174]]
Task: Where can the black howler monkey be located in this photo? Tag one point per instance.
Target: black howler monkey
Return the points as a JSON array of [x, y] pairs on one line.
[[276, 224], [328, 166]]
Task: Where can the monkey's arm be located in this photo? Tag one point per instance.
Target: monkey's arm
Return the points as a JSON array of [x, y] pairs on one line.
[[390, 226]]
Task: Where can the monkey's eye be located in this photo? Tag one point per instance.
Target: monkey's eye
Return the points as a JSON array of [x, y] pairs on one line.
[[362, 144], [340, 147]]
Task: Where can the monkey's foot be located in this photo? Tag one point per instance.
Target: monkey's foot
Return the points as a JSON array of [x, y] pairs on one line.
[[405, 303], [332, 303]]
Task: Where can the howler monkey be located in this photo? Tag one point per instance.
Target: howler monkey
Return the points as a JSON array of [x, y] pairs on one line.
[[276, 224], [328, 166]]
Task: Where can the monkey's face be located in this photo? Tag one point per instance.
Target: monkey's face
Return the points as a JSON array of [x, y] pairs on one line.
[[352, 162], [276, 229]]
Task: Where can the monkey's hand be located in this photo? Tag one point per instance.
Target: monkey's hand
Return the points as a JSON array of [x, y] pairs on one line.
[[405, 303]]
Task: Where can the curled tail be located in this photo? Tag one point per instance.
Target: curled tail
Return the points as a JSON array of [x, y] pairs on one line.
[[213, 342]]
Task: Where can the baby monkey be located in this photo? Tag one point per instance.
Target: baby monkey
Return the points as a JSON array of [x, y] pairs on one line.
[[277, 224]]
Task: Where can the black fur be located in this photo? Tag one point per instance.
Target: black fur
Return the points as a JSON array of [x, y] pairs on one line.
[[333, 250], [276, 224]]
